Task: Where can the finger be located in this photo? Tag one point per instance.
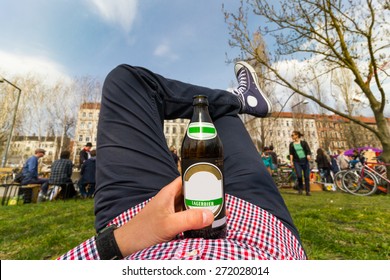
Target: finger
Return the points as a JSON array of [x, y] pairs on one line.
[[170, 191], [190, 219]]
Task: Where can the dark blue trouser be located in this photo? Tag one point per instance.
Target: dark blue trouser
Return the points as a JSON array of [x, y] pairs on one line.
[[302, 169], [134, 162], [42, 181]]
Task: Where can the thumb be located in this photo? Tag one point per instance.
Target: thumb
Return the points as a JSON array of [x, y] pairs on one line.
[[191, 219]]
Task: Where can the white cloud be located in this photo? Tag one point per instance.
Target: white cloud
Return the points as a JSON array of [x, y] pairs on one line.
[[13, 64], [121, 12], [164, 50]]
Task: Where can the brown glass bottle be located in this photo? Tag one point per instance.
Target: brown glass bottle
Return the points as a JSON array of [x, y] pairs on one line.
[[202, 170]]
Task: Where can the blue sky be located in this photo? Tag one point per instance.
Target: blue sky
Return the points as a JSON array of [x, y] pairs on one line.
[[180, 39], [185, 40]]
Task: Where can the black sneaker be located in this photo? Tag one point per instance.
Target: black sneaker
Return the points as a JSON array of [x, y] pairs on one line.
[[254, 101]]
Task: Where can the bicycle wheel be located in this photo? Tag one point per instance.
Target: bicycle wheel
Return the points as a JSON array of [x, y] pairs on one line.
[[338, 180], [283, 178], [362, 183]]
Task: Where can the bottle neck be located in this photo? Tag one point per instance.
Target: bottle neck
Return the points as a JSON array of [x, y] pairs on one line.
[[201, 114]]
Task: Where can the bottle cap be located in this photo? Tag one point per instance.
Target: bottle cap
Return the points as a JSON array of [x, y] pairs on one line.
[[200, 99]]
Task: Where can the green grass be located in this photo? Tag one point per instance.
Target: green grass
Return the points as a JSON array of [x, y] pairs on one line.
[[46, 230], [332, 225], [335, 225]]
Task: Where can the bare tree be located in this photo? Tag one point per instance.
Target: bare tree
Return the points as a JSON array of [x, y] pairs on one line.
[[8, 100], [332, 34], [63, 112]]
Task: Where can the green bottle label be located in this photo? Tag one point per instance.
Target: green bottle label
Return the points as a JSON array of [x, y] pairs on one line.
[[201, 131]]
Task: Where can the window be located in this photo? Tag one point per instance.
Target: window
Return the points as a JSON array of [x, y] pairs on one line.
[[87, 139], [84, 114], [90, 115], [80, 138], [89, 125]]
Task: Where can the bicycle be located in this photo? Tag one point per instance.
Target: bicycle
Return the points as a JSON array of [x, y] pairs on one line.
[[366, 180], [338, 179], [285, 177]]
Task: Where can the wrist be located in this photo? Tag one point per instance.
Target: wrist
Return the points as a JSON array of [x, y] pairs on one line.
[[106, 244]]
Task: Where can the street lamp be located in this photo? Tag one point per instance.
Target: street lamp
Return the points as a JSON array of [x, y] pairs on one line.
[[299, 103], [4, 160], [285, 103]]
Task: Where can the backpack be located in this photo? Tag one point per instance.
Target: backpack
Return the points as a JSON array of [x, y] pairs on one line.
[[18, 177]]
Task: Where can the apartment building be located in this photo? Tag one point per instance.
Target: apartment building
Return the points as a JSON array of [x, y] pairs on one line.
[[22, 147], [276, 131], [86, 128], [329, 132], [87, 122], [174, 131]]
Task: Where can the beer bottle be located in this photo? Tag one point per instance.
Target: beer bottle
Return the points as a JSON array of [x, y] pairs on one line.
[[202, 170]]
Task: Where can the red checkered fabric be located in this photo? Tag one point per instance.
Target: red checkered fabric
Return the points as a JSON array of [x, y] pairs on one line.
[[253, 234]]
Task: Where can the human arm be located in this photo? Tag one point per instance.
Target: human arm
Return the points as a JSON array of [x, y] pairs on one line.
[[82, 169], [291, 151], [69, 169], [307, 150], [159, 221], [32, 167]]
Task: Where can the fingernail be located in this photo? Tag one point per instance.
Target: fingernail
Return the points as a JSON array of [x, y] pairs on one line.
[[206, 219]]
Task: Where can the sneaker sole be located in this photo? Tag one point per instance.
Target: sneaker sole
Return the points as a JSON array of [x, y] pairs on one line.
[[237, 67]]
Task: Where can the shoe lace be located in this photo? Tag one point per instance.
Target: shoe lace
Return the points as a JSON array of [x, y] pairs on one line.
[[242, 81]]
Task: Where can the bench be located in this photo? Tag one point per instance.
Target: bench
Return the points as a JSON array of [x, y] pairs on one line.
[[6, 174], [13, 193]]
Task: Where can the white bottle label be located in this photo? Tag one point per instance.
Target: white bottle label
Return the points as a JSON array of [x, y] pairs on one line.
[[203, 187]]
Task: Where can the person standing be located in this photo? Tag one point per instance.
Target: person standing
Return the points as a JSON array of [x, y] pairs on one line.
[[324, 165], [61, 175], [175, 156], [342, 160], [88, 176], [300, 156], [30, 174], [274, 157], [267, 159], [85, 153]]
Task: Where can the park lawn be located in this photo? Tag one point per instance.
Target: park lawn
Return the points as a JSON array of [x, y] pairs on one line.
[[339, 226], [332, 225]]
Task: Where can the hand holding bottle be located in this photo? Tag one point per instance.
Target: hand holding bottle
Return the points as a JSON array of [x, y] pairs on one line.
[[159, 222]]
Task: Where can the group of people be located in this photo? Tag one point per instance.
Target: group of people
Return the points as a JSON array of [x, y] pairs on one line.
[[301, 157], [61, 174]]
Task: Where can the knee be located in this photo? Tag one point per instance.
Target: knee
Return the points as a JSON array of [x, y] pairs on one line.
[[117, 73]]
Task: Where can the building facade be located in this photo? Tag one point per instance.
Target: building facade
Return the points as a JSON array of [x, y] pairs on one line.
[[276, 131], [86, 128], [23, 147], [174, 131], [329, 132]]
